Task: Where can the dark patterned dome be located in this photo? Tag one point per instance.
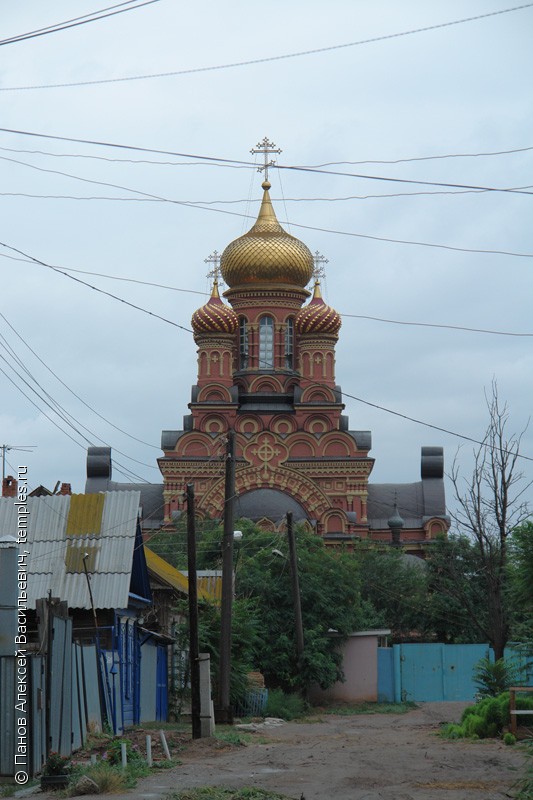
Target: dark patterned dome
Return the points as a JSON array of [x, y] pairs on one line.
[[317, 317], [214, 317], [267, 253]]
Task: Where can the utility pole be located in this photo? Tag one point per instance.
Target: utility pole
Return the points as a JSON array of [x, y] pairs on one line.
[[194, 658], [5, 448], [224, 713], [293, 561]]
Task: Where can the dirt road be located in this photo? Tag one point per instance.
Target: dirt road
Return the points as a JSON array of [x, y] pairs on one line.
[[365, 757]]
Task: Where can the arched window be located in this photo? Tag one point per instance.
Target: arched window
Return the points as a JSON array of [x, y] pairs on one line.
[[243, 343], [266, 343], [289, 344]]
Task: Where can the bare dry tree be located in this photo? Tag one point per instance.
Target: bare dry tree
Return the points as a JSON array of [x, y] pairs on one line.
[[490, 504]]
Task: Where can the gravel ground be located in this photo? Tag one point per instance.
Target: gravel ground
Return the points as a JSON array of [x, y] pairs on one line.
[[363, 757]]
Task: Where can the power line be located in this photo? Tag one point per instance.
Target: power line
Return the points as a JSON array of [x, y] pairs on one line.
[[206, 294], [406, 160], [428, 424], [436, 325], [423, 158], [75, 21], [114, 277], [96, 289], [293, 167], [56, 407], [189, 204], [267, 59], [337, 173], [194, 163], [71, 390], [412, 242]]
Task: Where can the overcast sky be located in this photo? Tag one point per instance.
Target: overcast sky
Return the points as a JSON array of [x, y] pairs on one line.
[[442, 106]]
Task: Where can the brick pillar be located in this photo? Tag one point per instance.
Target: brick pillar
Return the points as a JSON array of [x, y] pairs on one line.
[[9, 486]]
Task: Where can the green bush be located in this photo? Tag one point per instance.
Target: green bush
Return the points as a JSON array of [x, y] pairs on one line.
[[486, 719], [509, 739], [285, 706], [494, 677], [475, 726], [452, 731]]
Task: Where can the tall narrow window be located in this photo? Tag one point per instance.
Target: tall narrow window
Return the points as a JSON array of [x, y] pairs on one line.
[[266, 343], [243, 344], [289, 344]]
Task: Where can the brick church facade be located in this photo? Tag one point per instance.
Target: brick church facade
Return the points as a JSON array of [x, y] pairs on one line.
[[266, 370]]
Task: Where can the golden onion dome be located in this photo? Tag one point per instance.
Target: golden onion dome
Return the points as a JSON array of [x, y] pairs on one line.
[[267, 253], [214, 317], [317, 317]]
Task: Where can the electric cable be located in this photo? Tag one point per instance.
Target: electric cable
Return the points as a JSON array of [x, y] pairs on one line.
[[390, 240], [353, 397], [424, 158], [442, 326], [71, 390], [96, 289], [61, 412], [268, 59], [293, 167], [76, 21]]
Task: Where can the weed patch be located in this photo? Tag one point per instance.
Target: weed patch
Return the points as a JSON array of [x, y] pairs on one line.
[[368, 708], [219, 793]]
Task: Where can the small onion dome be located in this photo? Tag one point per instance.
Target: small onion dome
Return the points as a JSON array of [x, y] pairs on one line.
[[395, 521], [267, 253], [317, 317], [214, 317]]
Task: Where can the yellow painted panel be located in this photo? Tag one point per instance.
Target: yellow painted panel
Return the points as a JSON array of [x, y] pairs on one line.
[[169, 574], [85, 514], [74, 557]]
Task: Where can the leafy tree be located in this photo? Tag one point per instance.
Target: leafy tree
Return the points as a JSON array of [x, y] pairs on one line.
[[490, 504], [457, 592], [246, 640], [394, 591], [521, 581], [329, 588]]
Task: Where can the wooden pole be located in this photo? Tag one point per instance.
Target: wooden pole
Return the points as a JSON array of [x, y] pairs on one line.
[[224, 713], [293, 561], [194, 661]]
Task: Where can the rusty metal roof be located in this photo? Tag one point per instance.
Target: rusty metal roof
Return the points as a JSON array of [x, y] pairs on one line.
[[61, 529]]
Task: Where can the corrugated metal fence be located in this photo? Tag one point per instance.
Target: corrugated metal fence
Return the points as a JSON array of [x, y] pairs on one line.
[[74, 701]]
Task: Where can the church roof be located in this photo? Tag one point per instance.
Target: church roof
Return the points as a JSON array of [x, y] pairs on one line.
[[266, 253], [214, 316], [416, 502], [267, 503], [317, 317]]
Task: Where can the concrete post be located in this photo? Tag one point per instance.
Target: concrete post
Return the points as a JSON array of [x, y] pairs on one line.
[[207, 713]]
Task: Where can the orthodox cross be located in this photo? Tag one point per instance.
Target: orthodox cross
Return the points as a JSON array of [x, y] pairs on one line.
[[319, 271], [213, 259], [265, 147]]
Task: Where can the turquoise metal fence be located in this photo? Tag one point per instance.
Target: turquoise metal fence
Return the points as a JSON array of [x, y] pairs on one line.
[[428, 672]]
